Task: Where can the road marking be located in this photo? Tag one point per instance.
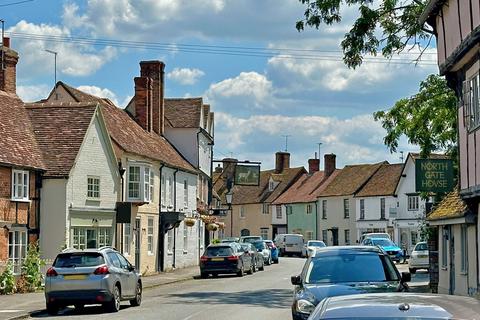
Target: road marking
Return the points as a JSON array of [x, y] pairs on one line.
[[10, 311]]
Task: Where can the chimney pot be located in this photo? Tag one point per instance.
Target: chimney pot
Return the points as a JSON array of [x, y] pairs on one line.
[[6, 42], [313, 165], [282, 161], [330, 164]]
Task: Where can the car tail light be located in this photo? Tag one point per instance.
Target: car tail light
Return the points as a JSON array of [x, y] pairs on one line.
[[203, 259], [51, 272], [101, 270], [233, 258]]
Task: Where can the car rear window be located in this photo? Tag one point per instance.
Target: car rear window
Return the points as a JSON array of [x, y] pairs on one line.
[[350, 268], [421, 247], [78, 259], [293, 239], [259, 245], [219, 251], [251, 239]]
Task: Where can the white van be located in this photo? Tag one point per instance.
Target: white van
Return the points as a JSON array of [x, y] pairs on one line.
[[290, 244]]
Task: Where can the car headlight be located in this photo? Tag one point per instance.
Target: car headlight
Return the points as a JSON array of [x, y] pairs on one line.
[[305, 306]]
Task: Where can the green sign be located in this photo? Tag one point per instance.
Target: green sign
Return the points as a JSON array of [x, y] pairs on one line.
[[433, 175], [247, 175]]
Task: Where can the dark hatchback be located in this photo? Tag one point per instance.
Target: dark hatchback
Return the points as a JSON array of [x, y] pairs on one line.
[[225, 258], [337, 271]]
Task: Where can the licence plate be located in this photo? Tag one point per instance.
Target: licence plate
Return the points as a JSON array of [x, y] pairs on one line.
[[217, 259], [423, 256], [75, 277], [289, 245]]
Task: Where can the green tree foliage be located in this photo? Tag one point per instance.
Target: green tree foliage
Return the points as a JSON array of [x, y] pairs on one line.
[[7, 280], [31, 267], [428, 119], [389, 27]]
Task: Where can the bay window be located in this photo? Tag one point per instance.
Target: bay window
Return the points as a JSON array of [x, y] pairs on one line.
[[140, 183]]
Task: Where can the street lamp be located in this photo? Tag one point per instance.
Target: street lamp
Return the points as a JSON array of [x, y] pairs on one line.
[[229, 198]]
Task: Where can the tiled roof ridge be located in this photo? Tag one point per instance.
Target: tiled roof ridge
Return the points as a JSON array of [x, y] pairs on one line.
[[32, 105], [189, 98]]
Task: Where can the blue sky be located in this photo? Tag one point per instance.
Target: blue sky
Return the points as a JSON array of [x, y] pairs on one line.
[[256, 99]]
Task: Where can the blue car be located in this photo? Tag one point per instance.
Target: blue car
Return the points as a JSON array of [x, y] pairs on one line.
[[273, 248], [394, 252]]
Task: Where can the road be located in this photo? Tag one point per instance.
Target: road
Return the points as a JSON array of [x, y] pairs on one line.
[[263, 295]]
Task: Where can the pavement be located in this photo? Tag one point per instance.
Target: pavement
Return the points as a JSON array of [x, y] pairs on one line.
[[420, 280], [18, 306]]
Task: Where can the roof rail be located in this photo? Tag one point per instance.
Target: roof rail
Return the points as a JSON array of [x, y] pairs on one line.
[[68, 250], [106, 247]]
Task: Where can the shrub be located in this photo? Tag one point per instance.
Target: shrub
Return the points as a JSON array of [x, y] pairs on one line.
[[31, 271], [7, 280], [215, 241]]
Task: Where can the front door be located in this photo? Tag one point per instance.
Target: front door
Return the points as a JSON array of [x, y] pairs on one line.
[[335, 237], [138, 242], [91, 238], [452, 260]]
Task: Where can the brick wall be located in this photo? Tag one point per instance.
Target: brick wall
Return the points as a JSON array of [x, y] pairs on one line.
[[8, 77]]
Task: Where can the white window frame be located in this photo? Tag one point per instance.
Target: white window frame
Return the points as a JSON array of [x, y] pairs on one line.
[[347, 236], [324, 209], [17, 249], [79, 239], [164, 190], [308, 208], [271, 185], [91, 192], [150, 233], [170, 241], [127, 238], [152, 186], [20, 191], [308, 235], [464, 249], [278, 211], [185, 238], [382, 208], [145, 183], [362, 209], [445, 234], [325, 236], [471, 102], [265, 208], [171, 193], [185, 193], [242, 212], [346, 208], [264, 233], [412, 202]]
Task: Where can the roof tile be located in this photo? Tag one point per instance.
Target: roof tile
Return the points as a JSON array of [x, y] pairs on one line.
[[383, 182], [452, 206], [183, 112]]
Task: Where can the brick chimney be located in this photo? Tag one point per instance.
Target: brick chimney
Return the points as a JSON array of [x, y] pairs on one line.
[[330, 164], [8, 67], [155, 70], [282, 161], [143, 102], [313, 165]]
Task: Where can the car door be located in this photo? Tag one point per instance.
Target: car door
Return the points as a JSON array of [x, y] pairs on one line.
[[130, 276], [117, 270]]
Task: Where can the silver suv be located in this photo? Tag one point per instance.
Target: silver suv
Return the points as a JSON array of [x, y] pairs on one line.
[[91, 276]]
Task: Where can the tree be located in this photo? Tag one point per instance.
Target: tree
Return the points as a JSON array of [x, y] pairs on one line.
[[397, 21], [428, 119]]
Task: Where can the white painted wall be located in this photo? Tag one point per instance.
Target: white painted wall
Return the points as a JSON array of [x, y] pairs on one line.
[[372, 213], [185, 141], [283, 210], [335, 218], [204, 154]]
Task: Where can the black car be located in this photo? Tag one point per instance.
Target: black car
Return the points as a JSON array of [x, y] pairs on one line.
[[257, 257], [225, 258], [337, 271]]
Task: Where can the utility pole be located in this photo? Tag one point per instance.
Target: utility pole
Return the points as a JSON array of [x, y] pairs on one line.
[[401, 156], [319, 149], [286, 141], [55, 84], [2, 63]]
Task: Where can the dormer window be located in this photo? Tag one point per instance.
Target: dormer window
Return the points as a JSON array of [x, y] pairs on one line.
[[271, 185], [140, 183]]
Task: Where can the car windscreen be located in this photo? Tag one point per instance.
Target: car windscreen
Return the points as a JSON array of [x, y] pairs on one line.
[[293, 239], [259, 245], [383, 242], [351, 267], [219, 252], [79, 259], [316, 244], [252, 239], [421, 247]]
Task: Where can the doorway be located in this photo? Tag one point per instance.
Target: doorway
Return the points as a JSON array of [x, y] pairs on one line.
[[452, 259], [138, 242]]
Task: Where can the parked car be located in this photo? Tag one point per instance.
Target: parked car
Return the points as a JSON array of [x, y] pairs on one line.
[[262, 247], [250, 239], [225, 258], [397, 306], [289, 244], [419, 258], [274, 250], [230, 239], [91, 276], [395, 252], [375, 235], [257, 257], [311, 246], [336, 271]]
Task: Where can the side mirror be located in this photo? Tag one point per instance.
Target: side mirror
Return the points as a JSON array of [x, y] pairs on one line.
[[296, 280], [131, 268], [246, 251], [259, 250], [406, 277]]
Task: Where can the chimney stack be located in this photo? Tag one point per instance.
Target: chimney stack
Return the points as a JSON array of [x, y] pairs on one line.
[[313, 165], [282, 161], [155, 70], [8, 67], [218, 169], [330, 164], [143, 102]]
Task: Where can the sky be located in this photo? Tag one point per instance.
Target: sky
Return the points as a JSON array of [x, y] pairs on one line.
[[300, 88]]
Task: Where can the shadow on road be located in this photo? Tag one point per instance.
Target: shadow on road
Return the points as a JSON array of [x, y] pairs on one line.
[[268, 298], [72, 312]]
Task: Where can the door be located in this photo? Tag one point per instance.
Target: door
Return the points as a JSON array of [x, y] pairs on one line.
[[452, 259], [129, 276], [138, 242], [335, 237], [91, 239]]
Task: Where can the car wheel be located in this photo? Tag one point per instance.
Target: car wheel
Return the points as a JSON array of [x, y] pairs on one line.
[[275, 261], [52, 309], [251, 269], [79, 307], [262, 267], [412, 270], [240, 273], [203, 275], [138, 296], [254, 267], [114, 305]]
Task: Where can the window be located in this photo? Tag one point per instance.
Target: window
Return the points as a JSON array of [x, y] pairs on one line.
[[289, 210], [93, 187], [164, 190], [170, 240], [152, 185], [242, 212], [244, 232], [412, 203], [444, 247], [185, 193], [140, 183], [464, 249], [264, 233], [127, 238], [382, 208], [362, 209], [185, 237], [278, 210], [324, 209], [325, 236], [170, 191], [347, 237], [91, 238], [150, 235], [271, 185], [309, 209], [471, 102], [134, 182], [265, 208], [20, 179], [413, 238], [308, 235], [346, 208], [17, 249]]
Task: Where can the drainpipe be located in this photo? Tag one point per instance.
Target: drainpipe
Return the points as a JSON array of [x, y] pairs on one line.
[[316, 220], [161, 233], [121, 171], [174, 210]]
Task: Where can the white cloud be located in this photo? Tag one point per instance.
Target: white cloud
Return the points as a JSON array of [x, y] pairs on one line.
[[32, 93], [73, 59], [100, 92], [185, 76]]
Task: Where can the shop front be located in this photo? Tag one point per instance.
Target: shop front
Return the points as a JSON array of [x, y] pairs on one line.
[[371, 226], [91, 229]]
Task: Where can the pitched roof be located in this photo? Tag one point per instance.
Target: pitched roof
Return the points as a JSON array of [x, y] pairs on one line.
[[452, 206], [183, 112], [350, 179], [383, 182], [18, 146], [60, 129], [416, 156], [133, 138]]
